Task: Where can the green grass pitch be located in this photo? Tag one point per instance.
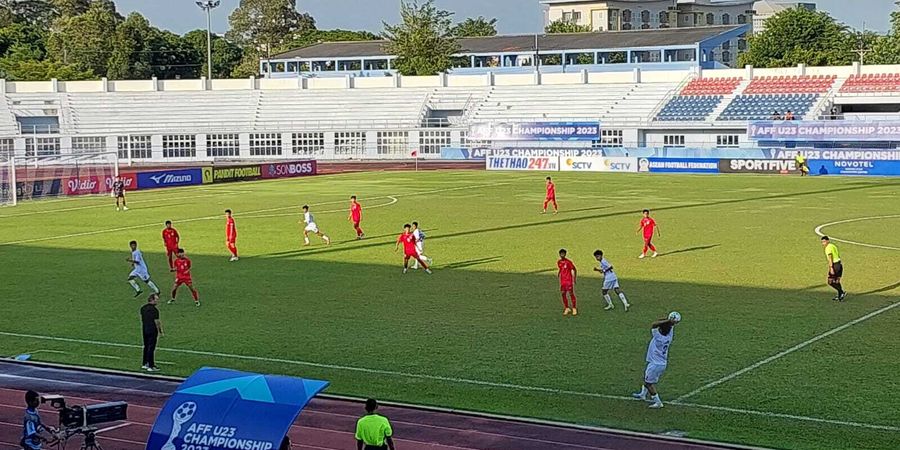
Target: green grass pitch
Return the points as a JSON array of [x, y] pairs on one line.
[[739, 259]]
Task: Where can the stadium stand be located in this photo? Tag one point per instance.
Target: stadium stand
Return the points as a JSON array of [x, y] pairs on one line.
[[765, 95], [879, 82], [699, 98]]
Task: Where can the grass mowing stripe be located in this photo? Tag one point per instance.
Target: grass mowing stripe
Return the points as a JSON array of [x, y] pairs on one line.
[[784, 353], [454, 380]]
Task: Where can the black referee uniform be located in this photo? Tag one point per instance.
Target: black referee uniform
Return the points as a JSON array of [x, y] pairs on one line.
[[151, 329]]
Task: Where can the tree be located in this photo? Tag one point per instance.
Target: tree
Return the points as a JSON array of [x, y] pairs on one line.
[[15, 69], [226, 55], [35, 12], [310, 37], [886, 49], [562, 27], [131, 58], [423, 42], [86, 40], [265, 25], [70, 8], [799, 36], [477, 27]]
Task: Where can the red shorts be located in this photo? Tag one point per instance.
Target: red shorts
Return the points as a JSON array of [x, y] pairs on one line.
[[566, 287], [647, 239], [551, 198], [356, 222], [180, 281], [410, 255], [171, 250]]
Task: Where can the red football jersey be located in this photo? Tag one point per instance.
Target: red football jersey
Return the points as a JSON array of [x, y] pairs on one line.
[[356, 212], [409, 243], [170, 237], [183, 268], [566, 267], [230, 229], [551, 190], [648, 225]]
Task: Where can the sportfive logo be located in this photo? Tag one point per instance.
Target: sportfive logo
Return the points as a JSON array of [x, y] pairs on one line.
[[757, 166]]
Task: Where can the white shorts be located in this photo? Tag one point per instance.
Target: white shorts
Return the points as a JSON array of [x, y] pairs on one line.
[[420, 248], [140, 274], [653, 372], [312, 227], [610, 283]]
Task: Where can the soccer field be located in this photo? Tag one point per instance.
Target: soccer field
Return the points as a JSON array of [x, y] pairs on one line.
[[763, 356]]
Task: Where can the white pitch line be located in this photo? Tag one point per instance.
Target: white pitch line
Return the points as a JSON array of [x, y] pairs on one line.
[[104, 357], [784, 353], [105, 205], [819, 232], [248, 213], [114, 427], [456, 380]]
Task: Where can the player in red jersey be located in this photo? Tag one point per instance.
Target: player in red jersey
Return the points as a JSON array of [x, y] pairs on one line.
[[356, 217], [409, 249], [551, 197], [183, 276], [647, 226], [231, 235], [171, 239], [567, 276]]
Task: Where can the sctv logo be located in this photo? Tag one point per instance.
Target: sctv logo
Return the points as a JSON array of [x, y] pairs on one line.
[[617, 166], [579, 165]]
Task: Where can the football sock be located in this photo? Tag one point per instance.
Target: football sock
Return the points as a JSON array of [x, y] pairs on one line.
[[608, 300], [645, 250], [839, 288], [306, 240], [622, 297], [325, 238], [153, 286], [174, 293], [656, 399], [134, 285], [196, 296], [574, 300], [652, 247], [643, 391], [565, 300]]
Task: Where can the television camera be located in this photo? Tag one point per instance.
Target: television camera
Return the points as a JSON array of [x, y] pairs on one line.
[[82, 420]]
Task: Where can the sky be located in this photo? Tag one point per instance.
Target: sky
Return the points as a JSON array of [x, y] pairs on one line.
[[515, 16]]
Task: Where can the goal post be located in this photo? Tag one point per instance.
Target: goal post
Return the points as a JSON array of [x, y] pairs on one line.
[[50, 176]]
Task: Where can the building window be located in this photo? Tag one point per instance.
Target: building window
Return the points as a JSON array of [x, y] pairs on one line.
[[349, 143], [42, 146], [431, 142], [470, 144], [663, 18], [645, 16], [673, 140], [728, 141], [308, 144], [611, 138], [726, 56], [223, 145], [571, 16], [645, 26], [88, 144], [726, 45], [392, 142], [626, 16], [741, 19], [7, 147], [179, 146], [742, 44], [265, 144], [726, 19], [710, 19], [138, 146], [626, 26]]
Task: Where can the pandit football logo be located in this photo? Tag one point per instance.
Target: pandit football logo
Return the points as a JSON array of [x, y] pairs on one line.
[[182, 415]]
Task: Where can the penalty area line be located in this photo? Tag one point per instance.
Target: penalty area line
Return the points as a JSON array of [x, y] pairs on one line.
[[820, 233], [454, 380]]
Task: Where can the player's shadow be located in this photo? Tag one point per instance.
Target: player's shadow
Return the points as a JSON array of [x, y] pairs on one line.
[[573, 211], [472, 262], [887, 288], [689, 250]]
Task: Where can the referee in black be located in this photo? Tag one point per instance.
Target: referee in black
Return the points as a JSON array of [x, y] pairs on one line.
[[152, 330]]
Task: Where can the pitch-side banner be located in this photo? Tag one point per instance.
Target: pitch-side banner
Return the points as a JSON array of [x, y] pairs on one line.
[[853, 167], [597, 164], [218, 409], [543, 163], [536, 131], [678, 165], [772, 166], [836, 154], [824, 130]]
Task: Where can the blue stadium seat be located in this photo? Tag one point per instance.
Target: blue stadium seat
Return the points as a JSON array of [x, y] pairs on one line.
[[761, 106], [689, 108]]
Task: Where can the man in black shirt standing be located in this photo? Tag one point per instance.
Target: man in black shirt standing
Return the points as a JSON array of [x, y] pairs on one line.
[[152, 330], [118, 188]]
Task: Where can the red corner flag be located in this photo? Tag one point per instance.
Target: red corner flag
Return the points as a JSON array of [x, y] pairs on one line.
[[414, 154]]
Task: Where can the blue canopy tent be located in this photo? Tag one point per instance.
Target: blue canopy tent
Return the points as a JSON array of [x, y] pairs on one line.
[[220, 409]]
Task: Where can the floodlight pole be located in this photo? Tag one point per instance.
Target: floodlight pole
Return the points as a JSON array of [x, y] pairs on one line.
[[208, 6]]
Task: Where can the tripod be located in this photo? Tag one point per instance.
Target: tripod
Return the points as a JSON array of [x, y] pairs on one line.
[[90, 441]]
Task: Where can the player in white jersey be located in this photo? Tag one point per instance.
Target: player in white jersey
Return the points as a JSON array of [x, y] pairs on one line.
[[419, 236], [663, 331], [139, 270], [610, 281], [311, 227]]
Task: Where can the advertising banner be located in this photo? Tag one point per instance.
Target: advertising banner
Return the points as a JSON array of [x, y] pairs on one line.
[[853, 167], [536, 131], [218, 409], [835, 153], [825, 130], [169, 178], [598, 164], [39, 189], [83, 185], [234, 173], [545, 151], [678, 165], [453, 153], [773, 166], [289, 169], [130, 180], [545, 163]]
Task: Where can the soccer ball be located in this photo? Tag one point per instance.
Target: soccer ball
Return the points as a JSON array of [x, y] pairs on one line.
[[675, 316]]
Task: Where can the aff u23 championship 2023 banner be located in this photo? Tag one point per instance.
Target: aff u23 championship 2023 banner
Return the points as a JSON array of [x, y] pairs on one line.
[[535, 131]]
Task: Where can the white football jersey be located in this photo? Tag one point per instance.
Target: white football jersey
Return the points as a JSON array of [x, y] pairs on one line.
[[658, 350], [308, 218]]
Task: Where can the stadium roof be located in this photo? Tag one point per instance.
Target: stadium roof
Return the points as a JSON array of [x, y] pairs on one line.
[[525, 43]]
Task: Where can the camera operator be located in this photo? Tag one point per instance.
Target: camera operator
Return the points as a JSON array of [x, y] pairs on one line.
[[34, 430]]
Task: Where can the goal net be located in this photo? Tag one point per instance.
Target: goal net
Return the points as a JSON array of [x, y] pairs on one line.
[[35, 177]]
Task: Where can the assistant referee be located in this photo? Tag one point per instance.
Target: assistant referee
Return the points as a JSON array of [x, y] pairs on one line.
[[835, 268], [373, 431]]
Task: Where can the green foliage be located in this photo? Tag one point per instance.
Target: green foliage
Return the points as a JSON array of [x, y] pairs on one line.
[[87, 40], [313, 36], [15, 69], [70, 8], [225, 54], [267, 24], [799, 36], [34, 12], [477, 27], [132, 57], [562, 27], [886, 49], [423, 41]]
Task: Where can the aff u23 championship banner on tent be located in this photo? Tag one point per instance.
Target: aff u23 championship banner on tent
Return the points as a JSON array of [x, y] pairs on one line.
[[218, 409], [535, 131], [824, 130]]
